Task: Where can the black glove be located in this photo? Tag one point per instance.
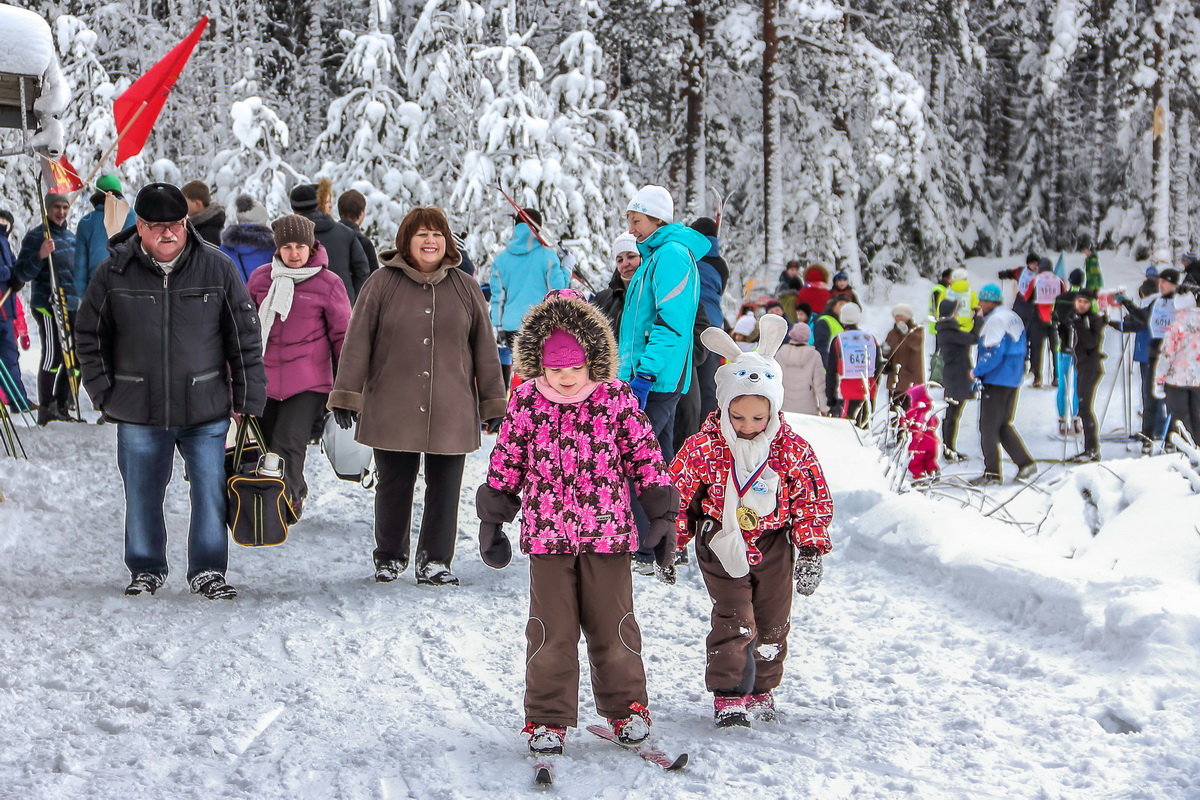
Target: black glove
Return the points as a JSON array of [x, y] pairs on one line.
[[492, 425], [345, 418], [661, 504], [494, 547], [14, 284], [808, 570]]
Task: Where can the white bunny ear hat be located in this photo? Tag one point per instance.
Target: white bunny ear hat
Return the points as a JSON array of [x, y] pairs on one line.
[[753, 373]]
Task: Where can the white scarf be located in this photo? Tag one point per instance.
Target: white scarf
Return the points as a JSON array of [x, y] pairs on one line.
[[279, 296], [762, 497]]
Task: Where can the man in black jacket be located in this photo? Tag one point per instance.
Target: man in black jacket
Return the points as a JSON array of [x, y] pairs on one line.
[[352, 210], [346, 257], [169, 344], [1081, 334]]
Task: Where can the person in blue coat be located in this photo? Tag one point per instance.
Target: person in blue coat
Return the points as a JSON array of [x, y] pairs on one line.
[[714, 276], [9, 355], [521, 276], [91, 237], [33, 265], [1000, 369], [249, 242]]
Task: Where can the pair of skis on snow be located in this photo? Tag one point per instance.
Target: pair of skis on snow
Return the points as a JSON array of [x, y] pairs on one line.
[[543, 770]]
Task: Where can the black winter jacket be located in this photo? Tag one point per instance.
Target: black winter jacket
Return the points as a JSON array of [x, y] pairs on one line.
[[346, 257], [955, 346], [1082, 335], [170, 350], [368, 248]]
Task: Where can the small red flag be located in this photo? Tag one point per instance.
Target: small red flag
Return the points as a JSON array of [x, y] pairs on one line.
[[138, 107], [60, 176]]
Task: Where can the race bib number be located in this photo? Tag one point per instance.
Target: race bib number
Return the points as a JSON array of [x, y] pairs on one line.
[[1161, 317]]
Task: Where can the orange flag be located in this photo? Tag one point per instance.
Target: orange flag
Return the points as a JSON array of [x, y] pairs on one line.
[[60, 176], [138, 107]]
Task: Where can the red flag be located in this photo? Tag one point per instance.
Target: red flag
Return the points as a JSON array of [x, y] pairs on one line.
[[138, 107], [60, 176]]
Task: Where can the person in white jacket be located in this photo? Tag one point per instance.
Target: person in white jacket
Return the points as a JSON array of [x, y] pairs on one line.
[[803, 374]]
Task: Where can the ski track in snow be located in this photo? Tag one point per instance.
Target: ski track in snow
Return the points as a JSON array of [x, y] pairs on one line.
[[315, 681]]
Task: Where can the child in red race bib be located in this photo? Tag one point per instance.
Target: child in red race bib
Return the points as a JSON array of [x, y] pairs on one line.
[[755, 500]]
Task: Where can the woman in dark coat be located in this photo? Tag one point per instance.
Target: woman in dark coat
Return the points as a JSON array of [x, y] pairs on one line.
[[955, 346]]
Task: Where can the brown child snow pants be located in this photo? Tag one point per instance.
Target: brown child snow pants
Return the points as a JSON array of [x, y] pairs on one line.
[[750, 618], [593, 593]]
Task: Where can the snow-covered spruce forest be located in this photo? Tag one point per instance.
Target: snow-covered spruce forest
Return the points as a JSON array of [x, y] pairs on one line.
[[888, 138]]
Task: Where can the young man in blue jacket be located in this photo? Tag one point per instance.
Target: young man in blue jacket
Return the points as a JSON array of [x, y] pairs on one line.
[[1000, 368]]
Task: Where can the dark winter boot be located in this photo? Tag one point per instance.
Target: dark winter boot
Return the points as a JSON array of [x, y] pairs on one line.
[[730, 712], [546, 740], [143, 583], [761, 707], [634, 728], [212, 585], [986, 479], [1027, 471], [435, 573], [388, 569]]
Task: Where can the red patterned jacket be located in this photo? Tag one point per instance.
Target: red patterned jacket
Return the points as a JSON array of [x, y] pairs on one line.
[[804, 505]]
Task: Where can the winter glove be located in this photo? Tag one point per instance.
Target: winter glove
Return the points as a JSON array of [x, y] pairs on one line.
[[495, 508], [661, 504], [808, 570], [345, 418], [641, 384], [494, 547], [492, 425], [25, 342]]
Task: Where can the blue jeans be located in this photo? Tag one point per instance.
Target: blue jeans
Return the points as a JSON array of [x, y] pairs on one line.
[[660, 408], [10, 383], [144, 455]]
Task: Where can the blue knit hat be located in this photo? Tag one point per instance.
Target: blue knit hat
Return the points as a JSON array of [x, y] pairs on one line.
[[991, 294]]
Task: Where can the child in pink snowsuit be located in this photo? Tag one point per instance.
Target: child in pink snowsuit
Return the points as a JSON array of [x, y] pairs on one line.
[[572, 446], [922, 425]]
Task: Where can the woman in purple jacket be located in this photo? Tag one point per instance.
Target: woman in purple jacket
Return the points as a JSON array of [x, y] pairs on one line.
[[304, 310]]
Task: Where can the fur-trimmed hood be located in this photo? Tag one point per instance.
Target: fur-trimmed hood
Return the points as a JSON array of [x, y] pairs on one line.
[[583, 321], [248, 236]]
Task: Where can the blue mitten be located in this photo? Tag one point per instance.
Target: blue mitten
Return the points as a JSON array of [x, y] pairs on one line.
[[640, 385]]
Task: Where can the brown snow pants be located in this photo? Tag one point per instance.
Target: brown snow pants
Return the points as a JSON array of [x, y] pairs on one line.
[[750, 618], [567, 594]]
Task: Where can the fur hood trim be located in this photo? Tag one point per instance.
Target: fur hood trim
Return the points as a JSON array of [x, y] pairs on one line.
[[583, 321], [248, 235]]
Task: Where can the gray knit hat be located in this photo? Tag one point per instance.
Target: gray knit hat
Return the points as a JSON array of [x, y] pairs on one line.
[[249, 210], [294, 228]]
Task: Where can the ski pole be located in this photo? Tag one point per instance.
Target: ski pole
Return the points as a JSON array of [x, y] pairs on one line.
[[19, 399]]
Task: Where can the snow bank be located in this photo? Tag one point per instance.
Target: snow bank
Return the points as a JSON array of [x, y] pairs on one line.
[[1114, 564]]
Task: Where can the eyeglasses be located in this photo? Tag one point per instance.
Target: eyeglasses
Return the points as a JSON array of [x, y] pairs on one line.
[[159, 228]]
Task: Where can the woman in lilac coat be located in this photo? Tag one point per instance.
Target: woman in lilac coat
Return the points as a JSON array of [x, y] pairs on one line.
[[304, 310]]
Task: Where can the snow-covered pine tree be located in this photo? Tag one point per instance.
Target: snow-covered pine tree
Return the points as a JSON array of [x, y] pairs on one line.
[[366, 143], [256, 166]]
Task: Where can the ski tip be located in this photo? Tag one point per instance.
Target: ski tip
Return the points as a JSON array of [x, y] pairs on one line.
[[679, 763], [543, 776]]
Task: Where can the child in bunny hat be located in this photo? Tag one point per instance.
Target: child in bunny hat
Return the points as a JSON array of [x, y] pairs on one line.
[[752, 494], [572, 446]]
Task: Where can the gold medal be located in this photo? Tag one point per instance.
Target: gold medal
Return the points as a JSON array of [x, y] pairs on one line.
[[747, 518]]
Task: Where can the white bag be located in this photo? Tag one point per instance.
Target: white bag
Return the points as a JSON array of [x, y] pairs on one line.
[[351, 461]]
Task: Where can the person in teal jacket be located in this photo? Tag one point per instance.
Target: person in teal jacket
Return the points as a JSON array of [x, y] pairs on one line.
[[521, 276], [91, 237]]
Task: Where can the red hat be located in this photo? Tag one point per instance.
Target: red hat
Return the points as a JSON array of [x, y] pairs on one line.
[[562, 350]]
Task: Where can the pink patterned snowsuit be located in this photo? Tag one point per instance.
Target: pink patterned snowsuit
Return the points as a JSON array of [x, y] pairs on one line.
[[571, 464], [921, 424]]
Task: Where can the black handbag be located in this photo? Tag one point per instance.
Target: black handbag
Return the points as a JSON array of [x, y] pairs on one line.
[[259, 513]]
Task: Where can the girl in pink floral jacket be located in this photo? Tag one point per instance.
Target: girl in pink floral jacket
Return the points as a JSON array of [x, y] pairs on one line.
[[571, 447]]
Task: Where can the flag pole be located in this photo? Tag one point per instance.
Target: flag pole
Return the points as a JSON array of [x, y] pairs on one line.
[[100, 164]]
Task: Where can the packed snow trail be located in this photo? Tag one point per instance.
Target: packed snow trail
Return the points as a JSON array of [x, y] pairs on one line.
[[318, 683]]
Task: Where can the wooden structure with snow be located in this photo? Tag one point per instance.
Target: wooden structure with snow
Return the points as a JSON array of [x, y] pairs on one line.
[[30, 72]]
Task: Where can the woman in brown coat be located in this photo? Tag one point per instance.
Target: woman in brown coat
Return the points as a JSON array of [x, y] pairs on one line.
[[902, 349], [419, 372]]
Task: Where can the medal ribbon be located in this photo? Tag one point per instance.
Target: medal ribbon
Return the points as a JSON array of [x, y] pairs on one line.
[[742, 488]]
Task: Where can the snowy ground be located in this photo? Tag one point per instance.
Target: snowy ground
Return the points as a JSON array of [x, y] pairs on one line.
[[945, 656]]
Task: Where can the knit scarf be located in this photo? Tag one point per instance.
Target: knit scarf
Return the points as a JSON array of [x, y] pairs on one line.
[[547, 391], [279, 296]]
